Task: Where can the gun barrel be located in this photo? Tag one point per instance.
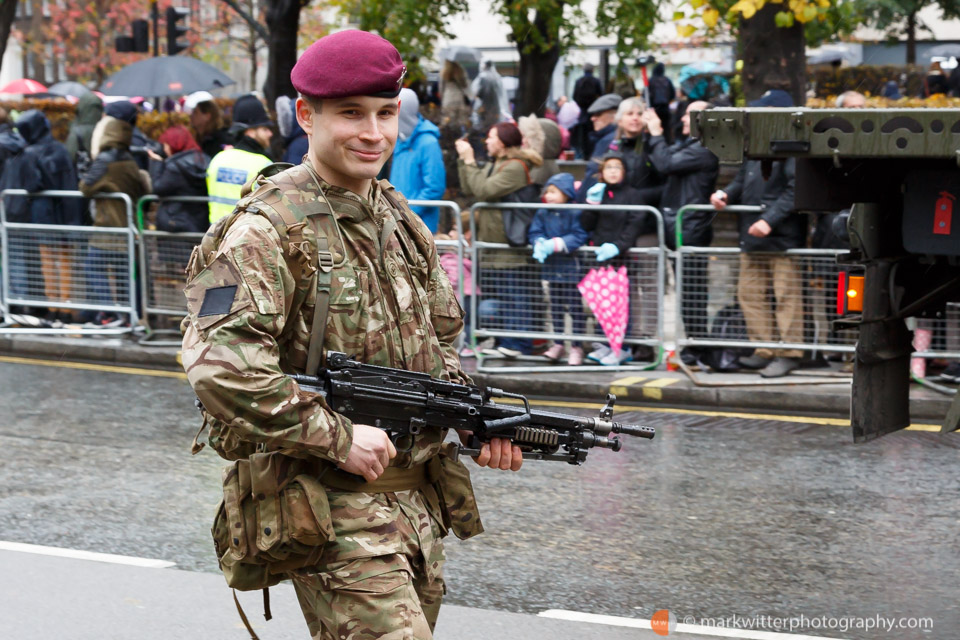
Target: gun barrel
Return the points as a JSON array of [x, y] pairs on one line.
[[634, 430]]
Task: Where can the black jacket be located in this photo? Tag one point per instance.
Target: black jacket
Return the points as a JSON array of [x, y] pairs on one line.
[[641, 174], [44, 164], [593, 137], [214, 143], [182, 174], [139, 144], [619, 227], [691, 171], [586, 90], [776, 196], [661, 91], [246, 143]]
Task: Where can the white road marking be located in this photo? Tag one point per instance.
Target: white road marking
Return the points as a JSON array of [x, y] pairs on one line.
[[694, 629], [85, 555]]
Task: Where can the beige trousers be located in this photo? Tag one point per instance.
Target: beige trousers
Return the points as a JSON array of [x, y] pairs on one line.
[[779, 319], [56, 265]]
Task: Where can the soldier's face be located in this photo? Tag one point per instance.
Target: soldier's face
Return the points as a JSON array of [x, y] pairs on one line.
[[350, 138]]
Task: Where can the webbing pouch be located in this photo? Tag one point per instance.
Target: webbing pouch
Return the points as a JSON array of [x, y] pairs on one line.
[[266, 494]]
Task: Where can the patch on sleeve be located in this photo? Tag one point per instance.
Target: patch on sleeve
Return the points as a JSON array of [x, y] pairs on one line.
[[217, 301]]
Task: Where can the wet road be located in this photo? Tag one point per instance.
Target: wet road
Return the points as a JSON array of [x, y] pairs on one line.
[[715, 517]]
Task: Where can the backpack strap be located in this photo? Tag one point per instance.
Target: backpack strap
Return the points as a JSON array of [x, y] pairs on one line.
[[321, 309], [289, 221]]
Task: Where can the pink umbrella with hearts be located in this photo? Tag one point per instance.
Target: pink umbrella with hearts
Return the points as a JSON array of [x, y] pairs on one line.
[[607, 293]]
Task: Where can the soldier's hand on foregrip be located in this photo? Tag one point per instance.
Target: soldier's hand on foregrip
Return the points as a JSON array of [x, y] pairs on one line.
[[370, 452], [500, 453]]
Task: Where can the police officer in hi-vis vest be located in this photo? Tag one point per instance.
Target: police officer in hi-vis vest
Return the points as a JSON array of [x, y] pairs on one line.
[[232, 168], [324, 255]]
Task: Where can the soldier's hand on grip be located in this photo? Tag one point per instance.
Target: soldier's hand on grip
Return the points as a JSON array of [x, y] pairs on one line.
[[500, 453], [370, 452]]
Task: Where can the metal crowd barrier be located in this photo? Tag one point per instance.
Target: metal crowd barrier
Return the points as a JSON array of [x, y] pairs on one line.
[[454, 247], [502, 274], [945, 330], [709, 287], [164, 258], [66, 267]]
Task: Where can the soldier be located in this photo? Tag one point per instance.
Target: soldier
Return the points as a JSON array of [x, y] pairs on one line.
[[364, 278]]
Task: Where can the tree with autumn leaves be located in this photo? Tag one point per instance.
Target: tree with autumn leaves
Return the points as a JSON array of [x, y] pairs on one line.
[[80, 36], [83, 32]]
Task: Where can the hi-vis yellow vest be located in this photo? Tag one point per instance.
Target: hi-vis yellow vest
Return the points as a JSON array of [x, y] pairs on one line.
[[227, 173]]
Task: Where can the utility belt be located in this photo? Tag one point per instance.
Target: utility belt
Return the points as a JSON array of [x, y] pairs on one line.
[[392, 479]]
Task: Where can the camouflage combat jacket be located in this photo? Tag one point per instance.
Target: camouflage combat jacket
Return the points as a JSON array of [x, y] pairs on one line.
[[391, 304]]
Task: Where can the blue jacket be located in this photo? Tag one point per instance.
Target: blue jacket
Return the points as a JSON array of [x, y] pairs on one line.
[[418, 172], [297, 145], [565, 224]]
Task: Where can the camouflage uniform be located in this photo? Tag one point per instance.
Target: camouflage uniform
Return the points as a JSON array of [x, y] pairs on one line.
[[391, 304]]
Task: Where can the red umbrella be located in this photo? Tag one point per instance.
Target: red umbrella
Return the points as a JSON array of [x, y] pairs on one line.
[[24, 86]]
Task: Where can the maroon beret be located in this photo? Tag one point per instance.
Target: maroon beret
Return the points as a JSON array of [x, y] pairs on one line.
[[349, 63]]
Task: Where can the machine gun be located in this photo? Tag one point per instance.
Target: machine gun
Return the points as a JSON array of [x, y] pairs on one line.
[[403, 403]]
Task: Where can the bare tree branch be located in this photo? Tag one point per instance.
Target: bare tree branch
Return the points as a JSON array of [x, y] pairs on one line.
[[256, 26]]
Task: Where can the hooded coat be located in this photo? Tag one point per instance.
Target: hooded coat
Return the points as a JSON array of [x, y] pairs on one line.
[[552, 144], [660, 89], [297, 144], [641, 174], [417, 170], [563, 224], [42, 165], [11, 143], [113, 170], [620, 227], [89, 112]]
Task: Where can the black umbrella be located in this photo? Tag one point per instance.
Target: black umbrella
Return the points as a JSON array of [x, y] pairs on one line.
[[68, 88], [165, 76]]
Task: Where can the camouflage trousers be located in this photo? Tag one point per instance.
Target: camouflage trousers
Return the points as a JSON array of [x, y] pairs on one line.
[[381, 579], [369, 599]]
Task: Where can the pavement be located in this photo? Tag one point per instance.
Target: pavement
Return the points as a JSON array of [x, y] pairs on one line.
[[823, 392], [103, 599]]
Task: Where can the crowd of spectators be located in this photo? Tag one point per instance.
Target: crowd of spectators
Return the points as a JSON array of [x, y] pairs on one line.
[[636, 154]]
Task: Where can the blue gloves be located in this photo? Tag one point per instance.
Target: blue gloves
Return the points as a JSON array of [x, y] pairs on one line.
[[606, 251], [595, 193], [542, 249]]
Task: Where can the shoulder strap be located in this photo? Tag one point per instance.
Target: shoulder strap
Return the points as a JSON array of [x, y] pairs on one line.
[[289, 221], [523, 164]]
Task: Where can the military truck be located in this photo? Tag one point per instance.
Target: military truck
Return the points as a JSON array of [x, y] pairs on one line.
[[899, 170]]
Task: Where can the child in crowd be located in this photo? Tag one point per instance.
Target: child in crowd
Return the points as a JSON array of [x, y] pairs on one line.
[[556, 235], [450, 261], [614, 232]]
